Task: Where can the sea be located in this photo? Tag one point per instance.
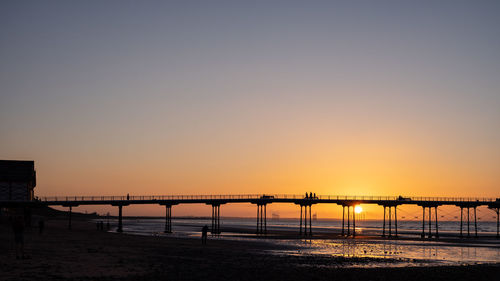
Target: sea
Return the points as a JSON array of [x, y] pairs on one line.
[[410, 250]]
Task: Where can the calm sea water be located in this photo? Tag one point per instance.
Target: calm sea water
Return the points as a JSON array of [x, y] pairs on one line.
[[414, 252]]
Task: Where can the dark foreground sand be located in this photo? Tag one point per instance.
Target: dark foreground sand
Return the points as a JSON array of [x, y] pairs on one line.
[[85, 253]]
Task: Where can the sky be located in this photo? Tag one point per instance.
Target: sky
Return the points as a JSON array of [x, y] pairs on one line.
[[252, 97]]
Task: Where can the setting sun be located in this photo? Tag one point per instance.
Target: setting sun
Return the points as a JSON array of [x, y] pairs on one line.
[[358, 209]]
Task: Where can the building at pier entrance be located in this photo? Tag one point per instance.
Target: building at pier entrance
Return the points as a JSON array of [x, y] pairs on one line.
[[17, 180]]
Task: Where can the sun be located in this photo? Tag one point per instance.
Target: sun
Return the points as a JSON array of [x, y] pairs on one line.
[[358, 209]]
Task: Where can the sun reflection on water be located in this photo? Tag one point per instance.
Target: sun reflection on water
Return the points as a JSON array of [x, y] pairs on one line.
[[402, 252]]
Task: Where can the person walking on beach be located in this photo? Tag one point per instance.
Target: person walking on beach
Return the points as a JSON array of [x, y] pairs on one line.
[[41, 225], [204, 232], [18, 228]]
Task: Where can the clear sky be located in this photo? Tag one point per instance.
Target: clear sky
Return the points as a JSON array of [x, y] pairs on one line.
[[237, 97]]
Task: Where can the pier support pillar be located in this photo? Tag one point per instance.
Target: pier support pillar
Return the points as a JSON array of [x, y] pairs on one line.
[[120, 226], [429, 234], [69, 217], [390, 222], [461, 221], [498, 222], [168, 219], [395, 221], [307, 221], [423, 222], [353, 222], [436, 215], [351, 217], [348, 220], [262, 219], [388, 216], [430, 223], [475, 221], [310, 220], [497, 211], [343, 214], [383, 225], [300, 229], [468, 223], [215, 219]]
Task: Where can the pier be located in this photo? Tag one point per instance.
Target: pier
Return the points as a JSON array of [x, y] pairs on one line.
[[468, 207]]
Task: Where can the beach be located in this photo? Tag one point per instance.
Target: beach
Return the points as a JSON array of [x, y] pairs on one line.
[[86, 253]]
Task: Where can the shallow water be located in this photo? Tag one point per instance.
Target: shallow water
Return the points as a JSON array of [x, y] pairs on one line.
[[407, 252], [415, 252]]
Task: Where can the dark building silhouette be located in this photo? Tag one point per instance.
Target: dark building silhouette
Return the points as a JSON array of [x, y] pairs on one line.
[[17, 180]]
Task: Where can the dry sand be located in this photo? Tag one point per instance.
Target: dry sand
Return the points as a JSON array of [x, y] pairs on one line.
[[85, 253]]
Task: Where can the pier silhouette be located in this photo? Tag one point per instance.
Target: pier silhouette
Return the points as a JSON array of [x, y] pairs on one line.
[[389, 203]]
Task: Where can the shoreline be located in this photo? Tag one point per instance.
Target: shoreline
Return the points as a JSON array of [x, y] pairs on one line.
[[333, 234], [85, 253]]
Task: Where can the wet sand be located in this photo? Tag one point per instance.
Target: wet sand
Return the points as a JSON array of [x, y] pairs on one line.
[[85, 253]]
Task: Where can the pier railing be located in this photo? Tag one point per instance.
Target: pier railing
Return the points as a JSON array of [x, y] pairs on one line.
[[263, 196]]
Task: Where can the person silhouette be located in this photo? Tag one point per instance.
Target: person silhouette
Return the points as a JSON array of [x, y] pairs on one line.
[[314, 195], [128, 196], [310, 195], [306, 195], [41, 225], [18, 228], [204, 231]]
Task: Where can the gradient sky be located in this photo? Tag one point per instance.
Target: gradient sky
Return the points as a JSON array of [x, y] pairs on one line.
[[238, 97]]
